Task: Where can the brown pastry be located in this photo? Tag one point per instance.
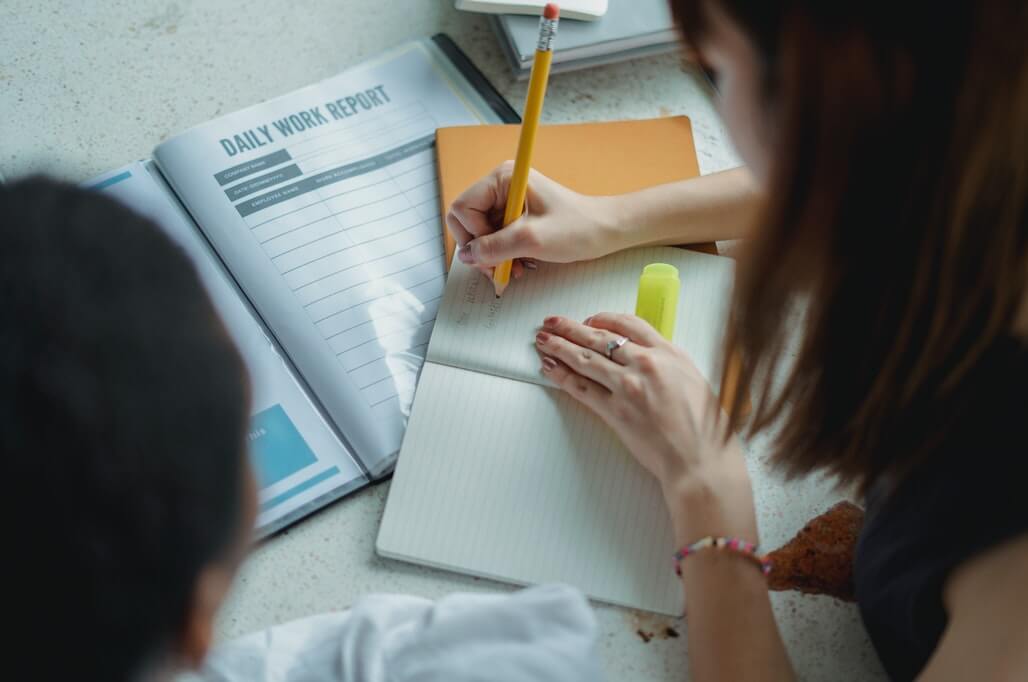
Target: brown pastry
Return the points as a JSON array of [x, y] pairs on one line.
[[819, 560]]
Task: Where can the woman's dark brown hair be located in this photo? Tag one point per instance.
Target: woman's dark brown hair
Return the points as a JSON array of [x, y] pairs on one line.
[[895, 219]]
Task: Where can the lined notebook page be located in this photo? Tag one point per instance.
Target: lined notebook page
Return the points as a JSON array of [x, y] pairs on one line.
[[516, 482], [476, 331]]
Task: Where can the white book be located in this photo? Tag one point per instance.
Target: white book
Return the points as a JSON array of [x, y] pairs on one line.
[[582, 10], [502, 476], [630, 28], [314, 221]]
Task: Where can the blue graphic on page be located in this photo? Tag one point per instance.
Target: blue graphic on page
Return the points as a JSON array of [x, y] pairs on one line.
[[277, 448]]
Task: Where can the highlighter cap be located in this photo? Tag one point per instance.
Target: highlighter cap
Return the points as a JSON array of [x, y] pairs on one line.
[[657, 302], [660, 270]]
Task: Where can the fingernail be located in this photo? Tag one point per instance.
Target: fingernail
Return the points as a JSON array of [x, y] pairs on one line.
[[588, 321], [530, 264], [464, 254], [551, 321], [541, 338], [549, 364]]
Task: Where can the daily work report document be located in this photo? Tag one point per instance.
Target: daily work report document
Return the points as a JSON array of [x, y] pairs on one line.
[[320, 208]]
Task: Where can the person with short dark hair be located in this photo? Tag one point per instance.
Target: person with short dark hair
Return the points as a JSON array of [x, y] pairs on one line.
[[124, 410], [130, 498]]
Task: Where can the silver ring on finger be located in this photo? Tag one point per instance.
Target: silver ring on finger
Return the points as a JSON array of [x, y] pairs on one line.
[[614, 345]]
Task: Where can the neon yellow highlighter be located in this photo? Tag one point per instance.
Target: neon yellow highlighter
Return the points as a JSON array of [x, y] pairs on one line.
[[657, 302]]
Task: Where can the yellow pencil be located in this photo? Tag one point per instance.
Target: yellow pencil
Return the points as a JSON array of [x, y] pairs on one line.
[[529, 124]]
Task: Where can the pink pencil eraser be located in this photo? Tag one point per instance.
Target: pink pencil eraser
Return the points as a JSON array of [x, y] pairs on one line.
[[551, 11]]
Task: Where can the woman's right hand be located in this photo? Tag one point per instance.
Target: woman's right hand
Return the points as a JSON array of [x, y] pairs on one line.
[[559, 225]]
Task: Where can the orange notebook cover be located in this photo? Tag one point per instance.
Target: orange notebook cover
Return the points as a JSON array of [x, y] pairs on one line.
[[591, 158]]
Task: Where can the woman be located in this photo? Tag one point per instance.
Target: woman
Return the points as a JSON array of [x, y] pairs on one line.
[[886, 148]]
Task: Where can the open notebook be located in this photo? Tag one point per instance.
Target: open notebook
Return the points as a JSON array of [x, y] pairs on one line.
[[314, 221], [501, 476]]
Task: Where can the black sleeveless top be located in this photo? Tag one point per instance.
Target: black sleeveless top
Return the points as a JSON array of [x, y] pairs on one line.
[[968, 498]]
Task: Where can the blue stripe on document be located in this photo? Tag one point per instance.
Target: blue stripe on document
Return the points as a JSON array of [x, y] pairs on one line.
[[297, 489], [113, 180]]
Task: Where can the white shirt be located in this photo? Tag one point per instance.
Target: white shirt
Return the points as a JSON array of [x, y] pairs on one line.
[[539, 634]]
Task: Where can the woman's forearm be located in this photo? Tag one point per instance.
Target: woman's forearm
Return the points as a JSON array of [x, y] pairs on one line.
[[730, 626], [709, 208]]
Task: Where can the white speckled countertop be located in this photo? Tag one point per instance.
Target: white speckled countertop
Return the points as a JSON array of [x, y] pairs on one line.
[[86, 86]]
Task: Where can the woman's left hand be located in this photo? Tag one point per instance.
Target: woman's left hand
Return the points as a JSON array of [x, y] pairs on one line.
[[655, 399]]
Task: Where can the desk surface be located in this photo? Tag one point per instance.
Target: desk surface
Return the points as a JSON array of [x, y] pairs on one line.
[[85, 87]]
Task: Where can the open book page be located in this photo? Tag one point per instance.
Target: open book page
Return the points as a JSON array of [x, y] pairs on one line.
[[324, 205], [299, 461], [479, 332], [512, 481]]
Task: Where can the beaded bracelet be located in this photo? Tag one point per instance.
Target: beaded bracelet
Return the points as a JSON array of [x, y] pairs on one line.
[[740, 547]]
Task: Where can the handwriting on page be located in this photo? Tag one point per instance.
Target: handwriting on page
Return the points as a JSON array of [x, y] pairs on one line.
[[471, 290], [478, 296], [493, 313]]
